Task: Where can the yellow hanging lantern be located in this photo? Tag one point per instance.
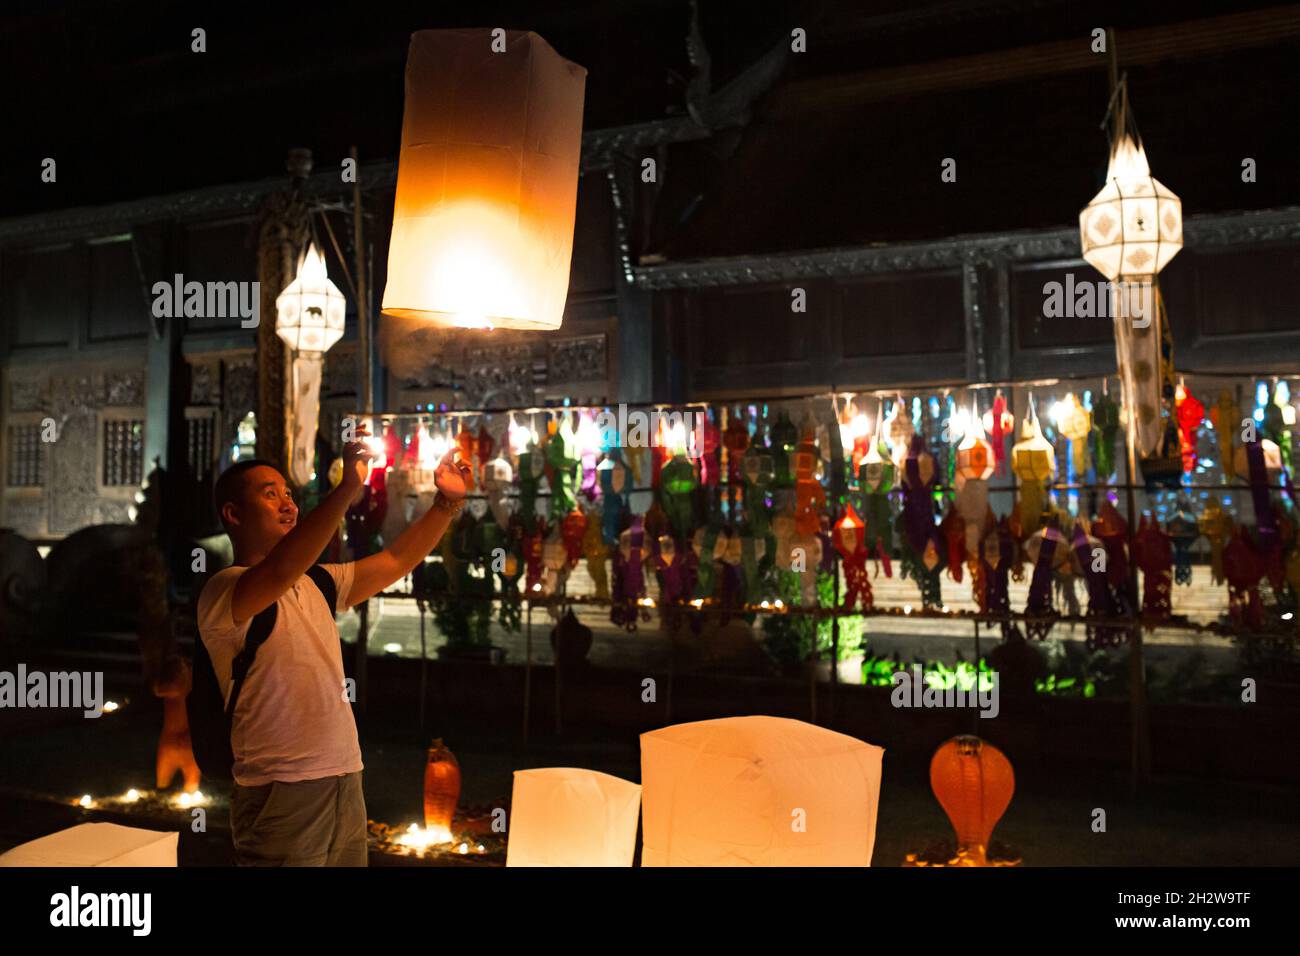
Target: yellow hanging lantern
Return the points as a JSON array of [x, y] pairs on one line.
[[486, 182], [1075, 422], [1033, 458], [1033, 461]]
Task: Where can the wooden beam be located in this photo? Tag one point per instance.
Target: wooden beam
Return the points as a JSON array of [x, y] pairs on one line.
[[1191, 40]]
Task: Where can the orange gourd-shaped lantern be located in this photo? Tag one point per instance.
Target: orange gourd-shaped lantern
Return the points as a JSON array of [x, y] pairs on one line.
[[441, 792], [487, 181], [973, 782]]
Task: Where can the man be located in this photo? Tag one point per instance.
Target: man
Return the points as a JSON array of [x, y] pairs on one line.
[[297, 799]]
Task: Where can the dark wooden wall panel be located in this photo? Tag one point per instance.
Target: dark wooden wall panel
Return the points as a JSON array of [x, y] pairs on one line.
[[118, 307], [44, 296]]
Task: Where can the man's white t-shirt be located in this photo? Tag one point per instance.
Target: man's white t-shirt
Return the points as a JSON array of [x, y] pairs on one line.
[[293, 720]]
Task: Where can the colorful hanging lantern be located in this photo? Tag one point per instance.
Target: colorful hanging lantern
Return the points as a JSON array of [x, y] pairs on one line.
[[973, 782], [975, 454], [1154, 554], [735, 439], [810, 497], [1074, 423], [998, 422], [1190, 414], [898, 431], [597, 552], [441, 792], [918, 474], [629, 575], [1033, 461], [487, 181], [1217, 527], [615, 482], [1105, 428], [851, 543]]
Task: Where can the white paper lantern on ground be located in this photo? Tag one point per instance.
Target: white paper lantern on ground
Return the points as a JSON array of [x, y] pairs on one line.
[[757, 791], [97, 844], [487, 181], [562, 816]]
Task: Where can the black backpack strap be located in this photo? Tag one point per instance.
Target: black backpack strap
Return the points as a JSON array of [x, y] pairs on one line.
[[325, 582], [258, 631]]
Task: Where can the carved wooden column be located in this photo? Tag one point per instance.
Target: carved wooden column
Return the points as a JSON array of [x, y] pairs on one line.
[[283, 231]]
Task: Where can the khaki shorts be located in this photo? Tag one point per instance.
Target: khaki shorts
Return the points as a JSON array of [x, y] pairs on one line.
[[305, 823]]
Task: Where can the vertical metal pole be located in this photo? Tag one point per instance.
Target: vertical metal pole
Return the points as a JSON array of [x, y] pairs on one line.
[[424, 664], [1140, 740], [528, 663], [812, 673], [835, 643], [359, 660], [672, 670], [367, 394], [559, 705]]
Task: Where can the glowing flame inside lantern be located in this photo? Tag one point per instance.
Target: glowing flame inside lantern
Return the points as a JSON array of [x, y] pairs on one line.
[[487, 178]]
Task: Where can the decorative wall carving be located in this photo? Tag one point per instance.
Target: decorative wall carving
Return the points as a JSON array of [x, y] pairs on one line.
[[204, 378], [28, 395], [576, 360], [499, 377], [124, 388]]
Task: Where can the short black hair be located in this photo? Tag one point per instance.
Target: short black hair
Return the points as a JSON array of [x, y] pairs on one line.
[[231, 483]]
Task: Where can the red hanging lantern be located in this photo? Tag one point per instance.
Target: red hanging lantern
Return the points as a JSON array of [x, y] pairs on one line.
[[1190, 414], [572, 528]]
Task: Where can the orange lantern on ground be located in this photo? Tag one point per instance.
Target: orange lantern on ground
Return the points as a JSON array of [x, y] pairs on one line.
[[973, 782], [441, 792], [487, 181]]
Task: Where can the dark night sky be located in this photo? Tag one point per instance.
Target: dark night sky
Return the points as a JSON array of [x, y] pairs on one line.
[[111, 89]]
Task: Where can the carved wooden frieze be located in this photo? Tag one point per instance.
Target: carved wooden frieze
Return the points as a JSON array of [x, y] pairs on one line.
[[204, 383], [500, 377], [579, 359]]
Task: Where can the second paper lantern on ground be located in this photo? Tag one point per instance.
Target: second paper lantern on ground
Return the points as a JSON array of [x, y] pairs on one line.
[[757, 791], [487, 181]]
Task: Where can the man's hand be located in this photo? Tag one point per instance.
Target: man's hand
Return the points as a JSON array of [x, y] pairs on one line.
[[356, 459], [452, 476]]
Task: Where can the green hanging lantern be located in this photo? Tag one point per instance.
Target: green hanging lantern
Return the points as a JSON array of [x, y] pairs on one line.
[[1105, 429]]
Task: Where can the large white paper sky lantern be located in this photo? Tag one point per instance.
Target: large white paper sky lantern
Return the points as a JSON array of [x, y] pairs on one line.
[[97, 844], [487, 181], [563, 816], [1134, 226], [757, 791], [309, 317]]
